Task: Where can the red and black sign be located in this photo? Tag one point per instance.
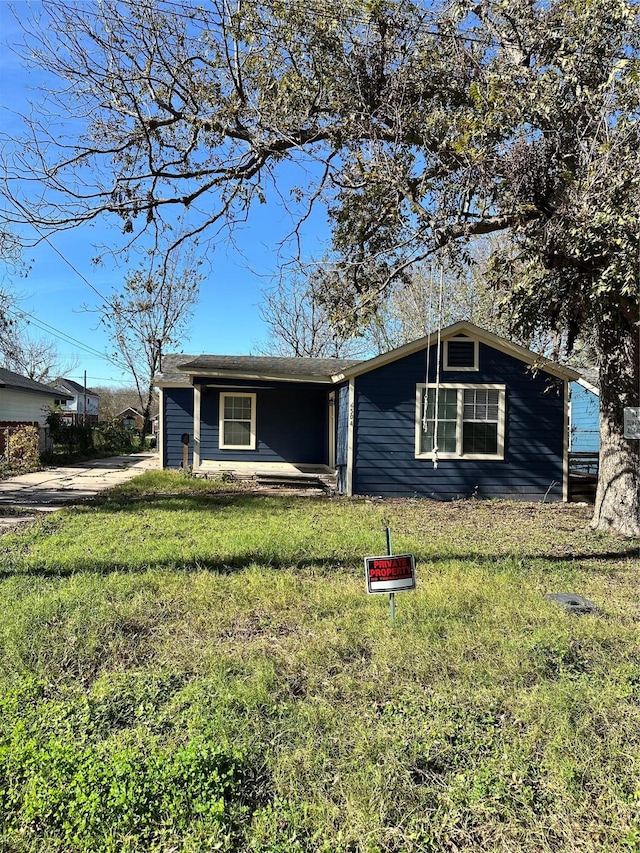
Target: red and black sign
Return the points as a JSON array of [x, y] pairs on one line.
[[390, 574]]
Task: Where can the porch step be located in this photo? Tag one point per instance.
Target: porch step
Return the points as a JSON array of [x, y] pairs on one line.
[[296, 481]]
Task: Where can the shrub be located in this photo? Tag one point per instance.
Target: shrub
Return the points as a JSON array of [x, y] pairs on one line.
[[113, 437], [75, 438], [24, 448]]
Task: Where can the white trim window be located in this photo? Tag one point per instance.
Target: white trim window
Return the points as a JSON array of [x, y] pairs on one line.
[[469, 423], [460, 353], [237, 421]]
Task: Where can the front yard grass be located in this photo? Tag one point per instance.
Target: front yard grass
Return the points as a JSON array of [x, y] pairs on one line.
[[187, 667]]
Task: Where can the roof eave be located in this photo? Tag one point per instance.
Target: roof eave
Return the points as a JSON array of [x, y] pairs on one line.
[[172, 383], [57, 395], [259, 377], [588, 385]]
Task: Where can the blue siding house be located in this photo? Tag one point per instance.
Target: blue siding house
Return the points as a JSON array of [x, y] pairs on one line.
[[456, 414], [584, 417]]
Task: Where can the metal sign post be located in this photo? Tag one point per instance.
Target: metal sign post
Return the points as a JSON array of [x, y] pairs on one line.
[[392, 595], [390, 573]]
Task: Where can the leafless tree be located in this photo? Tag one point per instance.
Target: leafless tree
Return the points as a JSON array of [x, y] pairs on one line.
[[299, 324], [150, 313], [114, 400], [29, 355]]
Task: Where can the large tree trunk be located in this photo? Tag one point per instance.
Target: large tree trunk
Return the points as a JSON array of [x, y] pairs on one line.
[[617, 506]]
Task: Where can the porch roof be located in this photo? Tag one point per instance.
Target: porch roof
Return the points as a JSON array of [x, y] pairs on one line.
[[178, 368]]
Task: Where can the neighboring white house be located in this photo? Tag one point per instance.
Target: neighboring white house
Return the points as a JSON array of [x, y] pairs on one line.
[[80, 401], [25, 401]]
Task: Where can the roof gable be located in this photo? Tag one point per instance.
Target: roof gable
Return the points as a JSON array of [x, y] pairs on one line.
[[461, 328], [73, 387]]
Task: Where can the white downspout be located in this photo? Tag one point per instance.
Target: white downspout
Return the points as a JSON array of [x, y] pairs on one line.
[[350, 435]]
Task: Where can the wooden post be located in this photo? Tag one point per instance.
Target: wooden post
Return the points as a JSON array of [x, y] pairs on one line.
[[185, 439]]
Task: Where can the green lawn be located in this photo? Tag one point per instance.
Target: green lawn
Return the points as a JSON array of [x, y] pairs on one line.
[[185, 667]]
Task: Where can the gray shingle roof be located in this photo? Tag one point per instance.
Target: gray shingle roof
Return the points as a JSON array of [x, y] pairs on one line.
[[74, 387], [176, 367], [170, 372], [9, 379]]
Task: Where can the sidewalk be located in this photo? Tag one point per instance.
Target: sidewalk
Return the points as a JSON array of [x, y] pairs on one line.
[[48, 490]]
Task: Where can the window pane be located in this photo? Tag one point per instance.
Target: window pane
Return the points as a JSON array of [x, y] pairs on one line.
[[430, 404], [447, 437], [469, 408], [426, 439], [492, 405], [481, 404], [237, 432], [237, 408], [479, 437], [447, 403], [447, 421]]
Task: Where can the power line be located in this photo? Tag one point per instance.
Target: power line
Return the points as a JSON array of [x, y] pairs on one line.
[[47, 240], [63, 336], [75, 270], [95, 379]]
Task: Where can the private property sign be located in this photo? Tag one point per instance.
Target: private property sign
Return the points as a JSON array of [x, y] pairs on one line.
[[395, 573]]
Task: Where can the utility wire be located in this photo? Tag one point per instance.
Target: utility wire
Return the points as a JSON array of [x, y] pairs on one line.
[[47, 240], [96, 379], [63, 336]]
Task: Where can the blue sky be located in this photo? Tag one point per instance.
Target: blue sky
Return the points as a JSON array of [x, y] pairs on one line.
[[227, 317]]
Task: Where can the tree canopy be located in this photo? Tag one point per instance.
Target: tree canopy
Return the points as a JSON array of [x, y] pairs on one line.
[[419, 125]]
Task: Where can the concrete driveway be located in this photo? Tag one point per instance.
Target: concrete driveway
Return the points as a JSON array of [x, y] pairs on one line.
[[52, 488]]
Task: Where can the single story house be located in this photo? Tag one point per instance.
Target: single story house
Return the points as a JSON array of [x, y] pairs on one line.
[[459, 413], [130, 418], [81, 406], [25, 401]]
